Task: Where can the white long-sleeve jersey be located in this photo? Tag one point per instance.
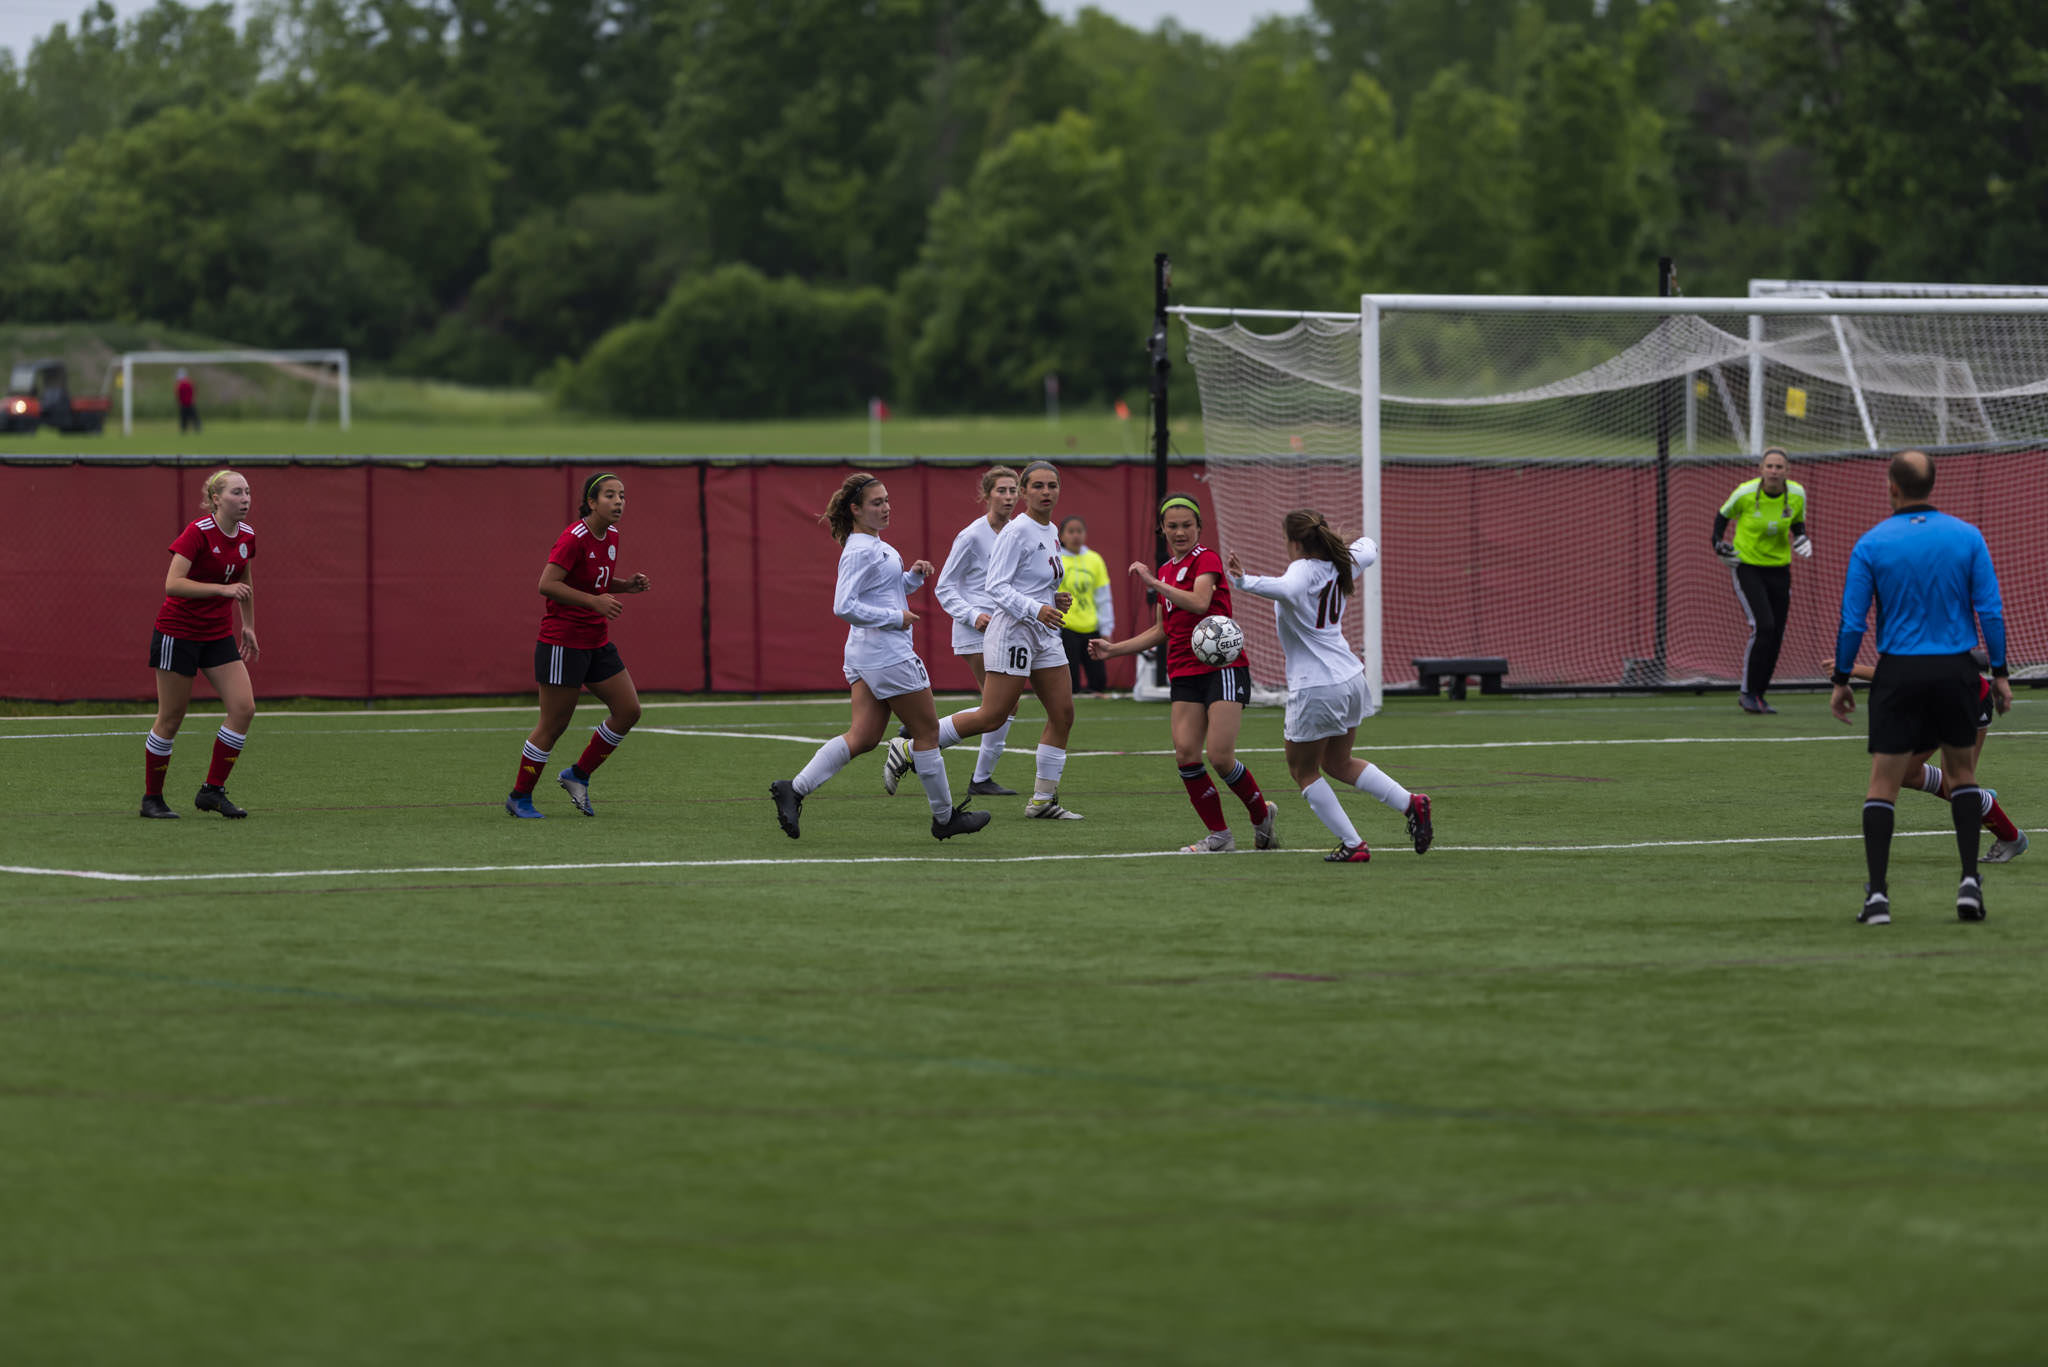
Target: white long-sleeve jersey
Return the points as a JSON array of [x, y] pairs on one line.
[[871, 597], [962, 585], [1024, 568], [1309, 609]]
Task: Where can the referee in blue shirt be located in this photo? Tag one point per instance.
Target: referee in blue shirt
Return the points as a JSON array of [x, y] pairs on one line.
[[1930, 575]]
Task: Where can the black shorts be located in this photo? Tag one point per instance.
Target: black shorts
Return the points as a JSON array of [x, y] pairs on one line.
[[573, 668], [1232, 683], [189, 657], [1923, 702], [1985, 706]]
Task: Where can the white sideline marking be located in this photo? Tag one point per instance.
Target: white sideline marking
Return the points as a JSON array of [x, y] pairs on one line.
[[839, 701], [101, 875]]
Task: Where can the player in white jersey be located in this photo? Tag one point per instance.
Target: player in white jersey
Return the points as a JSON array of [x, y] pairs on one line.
[[1022, 643], [873, 598], [962, 590], [1327, 695]]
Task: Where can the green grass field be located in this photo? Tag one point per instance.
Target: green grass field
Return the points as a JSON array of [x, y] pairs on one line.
[[1609, 1076]]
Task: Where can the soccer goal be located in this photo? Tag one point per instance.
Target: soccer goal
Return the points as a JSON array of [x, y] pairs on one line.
[[1542, 473], [318, 370]]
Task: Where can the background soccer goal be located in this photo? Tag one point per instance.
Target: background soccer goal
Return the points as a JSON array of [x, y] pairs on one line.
[[290, 383], [1542, 473]]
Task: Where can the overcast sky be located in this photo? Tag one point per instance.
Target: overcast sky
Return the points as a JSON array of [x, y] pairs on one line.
[[23, 21]]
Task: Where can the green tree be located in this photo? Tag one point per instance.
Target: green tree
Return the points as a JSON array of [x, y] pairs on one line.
[[1593, 171], [816, 134], [1030, 269], [1928, 123], [734, 344], [1462, 229]]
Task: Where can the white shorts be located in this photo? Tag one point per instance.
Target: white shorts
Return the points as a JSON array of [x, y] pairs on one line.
[[1021, 648], [966, 640], [891, 680], [1321, 711]]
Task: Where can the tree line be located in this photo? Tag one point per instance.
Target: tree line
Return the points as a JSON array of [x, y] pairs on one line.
[[705, 209]]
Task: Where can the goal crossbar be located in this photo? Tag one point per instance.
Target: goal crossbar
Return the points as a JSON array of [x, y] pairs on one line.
[[333, 356]]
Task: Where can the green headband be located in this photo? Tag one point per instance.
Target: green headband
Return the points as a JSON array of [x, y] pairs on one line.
[[590, 485], [1180, 501]]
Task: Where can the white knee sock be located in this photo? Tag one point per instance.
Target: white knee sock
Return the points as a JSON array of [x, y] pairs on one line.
[[931, 772], [1930, 779], [1322, 800], [1051, 764], [949, 732], [992, 743], [1375, 783], [832, 756]]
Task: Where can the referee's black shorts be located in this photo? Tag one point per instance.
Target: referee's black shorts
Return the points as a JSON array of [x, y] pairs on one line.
[[1921, 702]]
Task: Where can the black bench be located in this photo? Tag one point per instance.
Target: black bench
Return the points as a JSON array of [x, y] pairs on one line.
[[1457, 669]]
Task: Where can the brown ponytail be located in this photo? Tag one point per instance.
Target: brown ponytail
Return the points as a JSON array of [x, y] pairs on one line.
[[838, 514], [1307, 528]]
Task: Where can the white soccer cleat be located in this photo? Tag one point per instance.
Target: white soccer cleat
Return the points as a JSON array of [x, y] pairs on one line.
[[1047, 808], [895, 764], [1215, 842], [1262, 834], [2004, 851]]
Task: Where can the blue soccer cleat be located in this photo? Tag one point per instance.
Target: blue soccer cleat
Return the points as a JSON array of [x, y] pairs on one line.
[[521, 805], [577, 785]]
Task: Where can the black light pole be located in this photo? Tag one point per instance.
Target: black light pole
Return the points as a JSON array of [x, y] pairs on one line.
[[1162, 365], [1666, 277]]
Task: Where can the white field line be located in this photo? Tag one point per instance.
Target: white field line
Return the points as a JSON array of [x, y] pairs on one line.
[[1365, 750], [839, 702], [101, 875]]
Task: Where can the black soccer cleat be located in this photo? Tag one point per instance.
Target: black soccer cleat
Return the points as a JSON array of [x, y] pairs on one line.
[[1970, 900], [1877, 909], [789, 805], [214, 798], [988, 787], [959, 821], [1421, 829], [1349, 854], [156, 809]]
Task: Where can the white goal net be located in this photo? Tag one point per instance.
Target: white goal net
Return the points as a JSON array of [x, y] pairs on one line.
[[1543, 474], [307, 381]]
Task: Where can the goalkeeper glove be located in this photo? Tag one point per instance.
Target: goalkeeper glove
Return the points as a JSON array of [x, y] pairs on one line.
[[1726, 550], [1802, 546]]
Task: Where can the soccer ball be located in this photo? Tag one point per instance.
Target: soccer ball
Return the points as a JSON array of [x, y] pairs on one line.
[[1216, 641]]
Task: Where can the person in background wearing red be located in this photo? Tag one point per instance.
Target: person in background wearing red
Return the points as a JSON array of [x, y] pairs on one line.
[[574, 651], [211, 570], [188, 409]]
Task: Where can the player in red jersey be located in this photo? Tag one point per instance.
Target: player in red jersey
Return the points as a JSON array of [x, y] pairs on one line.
[[2008, 841], [1207, 700], [581, 583], [211, 571]]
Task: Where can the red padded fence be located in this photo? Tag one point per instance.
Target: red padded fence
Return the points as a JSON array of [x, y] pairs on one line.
[[392, 580]]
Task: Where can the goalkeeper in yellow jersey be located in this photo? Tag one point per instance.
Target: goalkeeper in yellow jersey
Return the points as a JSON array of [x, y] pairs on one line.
[[1769, 516]]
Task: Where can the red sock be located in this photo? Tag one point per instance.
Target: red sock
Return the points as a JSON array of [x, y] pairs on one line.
[[1247, 788], [227, 748], [155, 765], [603, 741], [531, 760], [2000, 824], [1202, 793]]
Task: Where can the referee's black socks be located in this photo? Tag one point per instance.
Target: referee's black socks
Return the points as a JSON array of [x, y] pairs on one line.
[[1966, 805], [1877, 840]]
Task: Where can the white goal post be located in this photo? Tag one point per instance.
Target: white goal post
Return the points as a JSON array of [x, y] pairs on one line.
[[1532, 435], [335, 357]]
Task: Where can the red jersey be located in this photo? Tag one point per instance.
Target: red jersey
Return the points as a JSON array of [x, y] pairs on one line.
[[218, 557], [1179, 623], [184, 393], [590, 560]]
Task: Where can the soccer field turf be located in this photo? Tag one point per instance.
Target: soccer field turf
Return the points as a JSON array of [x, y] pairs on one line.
[[1610, 1075]]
